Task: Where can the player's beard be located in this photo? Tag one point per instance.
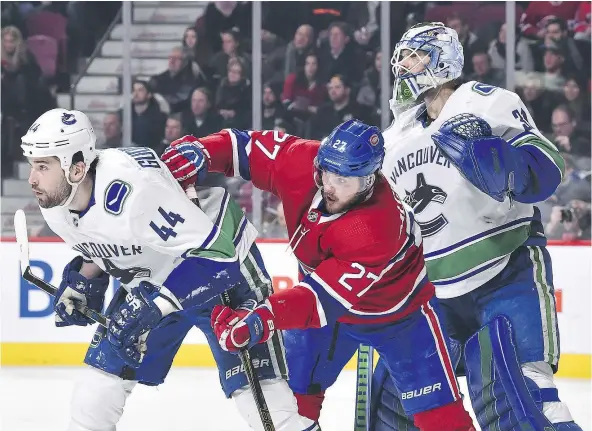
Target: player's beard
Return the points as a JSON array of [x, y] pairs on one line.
[[50, 200], [342, 206]]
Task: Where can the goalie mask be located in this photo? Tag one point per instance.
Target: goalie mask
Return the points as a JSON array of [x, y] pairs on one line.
[[428, 55]]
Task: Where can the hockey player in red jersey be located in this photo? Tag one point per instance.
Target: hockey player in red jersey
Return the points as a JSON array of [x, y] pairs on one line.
[[363, 277]]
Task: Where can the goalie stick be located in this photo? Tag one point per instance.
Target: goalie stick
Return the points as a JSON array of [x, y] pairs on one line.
[[22, 239], [244, 354], [365, 368]]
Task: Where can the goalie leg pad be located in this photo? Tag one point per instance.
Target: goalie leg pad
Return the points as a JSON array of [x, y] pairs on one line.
[[386, 410], [499, 392], [98, 400]]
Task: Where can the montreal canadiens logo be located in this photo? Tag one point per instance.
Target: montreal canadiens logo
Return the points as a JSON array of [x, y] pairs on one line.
[[68, 119], [313, 216], [374, 140]]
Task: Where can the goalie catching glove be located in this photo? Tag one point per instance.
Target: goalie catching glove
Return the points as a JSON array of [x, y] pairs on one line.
[[488, 162], [244, 327]]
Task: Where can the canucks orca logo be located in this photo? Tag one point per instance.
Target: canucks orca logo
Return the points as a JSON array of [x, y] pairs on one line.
[[419, 199], [68, 119], [125, 275]]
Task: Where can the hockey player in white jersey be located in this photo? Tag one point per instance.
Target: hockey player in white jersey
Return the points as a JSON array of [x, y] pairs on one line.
[[126, 215], [470, 161]]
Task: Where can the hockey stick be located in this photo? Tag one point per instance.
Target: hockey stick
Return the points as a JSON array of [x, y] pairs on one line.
[[244, 354], [364, 372], [20, 229]]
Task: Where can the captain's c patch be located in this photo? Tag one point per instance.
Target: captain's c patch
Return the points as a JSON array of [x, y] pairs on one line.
[[115, 196]]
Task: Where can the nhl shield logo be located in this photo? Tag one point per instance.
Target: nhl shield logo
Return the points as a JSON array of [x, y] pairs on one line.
[[313, 216]]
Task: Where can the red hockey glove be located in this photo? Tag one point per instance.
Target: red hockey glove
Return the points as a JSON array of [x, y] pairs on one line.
[[187, 160], [242, 328]]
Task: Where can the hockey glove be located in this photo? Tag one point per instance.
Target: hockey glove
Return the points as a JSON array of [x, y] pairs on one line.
[[77, 288], [488, 162], [187, 160], [130, 324], [243, 327]]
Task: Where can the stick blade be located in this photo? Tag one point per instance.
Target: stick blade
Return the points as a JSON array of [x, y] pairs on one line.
[[20, 229]]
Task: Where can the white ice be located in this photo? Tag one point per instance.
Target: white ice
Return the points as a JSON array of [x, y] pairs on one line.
[[37, 399]]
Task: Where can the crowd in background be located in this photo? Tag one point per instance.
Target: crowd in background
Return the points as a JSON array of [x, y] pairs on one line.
[[321, 66]]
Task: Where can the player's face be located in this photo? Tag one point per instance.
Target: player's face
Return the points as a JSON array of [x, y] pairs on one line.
[[339, 192], [412, 61], [48, 181]]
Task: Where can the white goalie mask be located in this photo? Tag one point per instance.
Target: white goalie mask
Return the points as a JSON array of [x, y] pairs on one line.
[[427, 56], [61, 133]]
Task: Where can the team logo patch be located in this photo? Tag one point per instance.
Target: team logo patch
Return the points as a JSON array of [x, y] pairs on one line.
[[374, 140], [312, 216], [115, 196], [68, 119], [420, 198]]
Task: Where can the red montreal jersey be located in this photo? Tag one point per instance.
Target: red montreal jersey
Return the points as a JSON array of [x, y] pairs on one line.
[[364, 265]]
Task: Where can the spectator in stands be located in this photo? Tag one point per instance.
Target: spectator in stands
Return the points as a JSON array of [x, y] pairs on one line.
[[341, 108], [112, 130], [303, 92], [365, 19], [298, 49], [538, 13], [556, 31], [537, 99], [273, 111], [195, 48], [582, 22], [554, 66], [483, 72], [283, 126], [147, 119], [177, 82], [576, 97], [340, 56], [201, 119], [497, 52], [233, 98], [568, 137], [276, 227], [222, 16], [468, 39], [573, 186], [20, 78], [173, 130], [571, 222], [369, 92], [230, 49]]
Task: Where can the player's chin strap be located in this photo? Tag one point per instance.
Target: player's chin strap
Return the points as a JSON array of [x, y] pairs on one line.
[[74, 186]]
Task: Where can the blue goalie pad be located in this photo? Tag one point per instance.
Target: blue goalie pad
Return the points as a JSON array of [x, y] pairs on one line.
[[386, 410], [503, 399]]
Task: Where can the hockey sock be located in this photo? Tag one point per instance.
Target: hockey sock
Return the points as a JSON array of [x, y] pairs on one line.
[[451, 417], [309, 405]]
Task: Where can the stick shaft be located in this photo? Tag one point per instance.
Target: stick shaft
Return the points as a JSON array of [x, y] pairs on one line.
[[244, 354]]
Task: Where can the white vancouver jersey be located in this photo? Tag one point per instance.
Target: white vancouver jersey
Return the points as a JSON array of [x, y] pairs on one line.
[[467, 235], [140, 224]]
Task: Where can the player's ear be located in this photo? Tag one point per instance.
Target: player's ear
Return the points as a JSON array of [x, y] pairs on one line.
[[77, 171]]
